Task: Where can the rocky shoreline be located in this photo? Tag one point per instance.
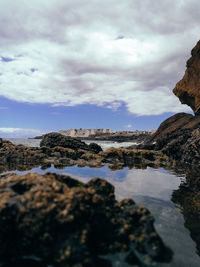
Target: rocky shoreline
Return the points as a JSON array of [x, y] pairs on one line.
[[67, 223], [64, 151], [28, 200], [58, 219]]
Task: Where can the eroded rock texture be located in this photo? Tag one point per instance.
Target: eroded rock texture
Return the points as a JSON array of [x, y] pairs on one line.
[[188, 88], [66, 223]]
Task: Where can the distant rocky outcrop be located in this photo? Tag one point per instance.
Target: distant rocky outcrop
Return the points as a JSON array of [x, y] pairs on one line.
[[188, 88], [60, 221], [56, 139]]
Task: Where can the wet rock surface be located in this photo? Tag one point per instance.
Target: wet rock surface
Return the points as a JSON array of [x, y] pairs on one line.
[[63, 222], [188, 88]]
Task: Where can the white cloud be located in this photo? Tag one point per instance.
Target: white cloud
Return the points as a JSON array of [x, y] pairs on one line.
[[70, 53], [7, 132], [128, 126]]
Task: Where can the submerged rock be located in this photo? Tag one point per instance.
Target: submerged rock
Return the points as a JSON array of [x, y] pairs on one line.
[[66, 223], [188, 88]]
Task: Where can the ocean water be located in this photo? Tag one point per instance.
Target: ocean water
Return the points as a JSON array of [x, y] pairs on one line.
[[152, 188], [104, 144], [25, 141]]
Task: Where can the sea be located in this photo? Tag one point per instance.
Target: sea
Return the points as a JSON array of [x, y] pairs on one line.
[[104, 144], [150, 187]]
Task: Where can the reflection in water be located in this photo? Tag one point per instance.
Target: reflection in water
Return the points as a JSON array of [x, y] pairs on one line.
[[153, 188], [188, 197]]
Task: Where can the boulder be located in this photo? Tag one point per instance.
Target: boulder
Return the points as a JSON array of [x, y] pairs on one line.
[[56, 139], [62, 222], [188, 88], [95, 148]]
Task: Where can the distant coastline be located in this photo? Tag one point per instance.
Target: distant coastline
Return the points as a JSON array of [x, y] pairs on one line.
[[105, 135]]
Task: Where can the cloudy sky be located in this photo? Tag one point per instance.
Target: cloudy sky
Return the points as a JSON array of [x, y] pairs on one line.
[[91, 63]]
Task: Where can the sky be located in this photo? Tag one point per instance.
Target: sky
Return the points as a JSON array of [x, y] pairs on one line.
[[92, 64]]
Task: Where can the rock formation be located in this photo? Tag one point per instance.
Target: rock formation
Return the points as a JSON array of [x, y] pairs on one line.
[[188, 89], [63, 222], [178, 137], [56, 139], [19, 157], [19, 154]]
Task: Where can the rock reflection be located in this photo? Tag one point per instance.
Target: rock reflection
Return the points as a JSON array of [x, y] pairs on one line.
[[188, 197]]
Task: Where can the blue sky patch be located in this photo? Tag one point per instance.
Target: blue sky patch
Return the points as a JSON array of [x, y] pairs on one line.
[[6, 59]]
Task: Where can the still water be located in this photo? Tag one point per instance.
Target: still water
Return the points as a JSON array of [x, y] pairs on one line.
[[152, 188]]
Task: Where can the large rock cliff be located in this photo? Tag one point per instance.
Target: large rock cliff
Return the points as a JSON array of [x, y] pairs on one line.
[[188, 88]]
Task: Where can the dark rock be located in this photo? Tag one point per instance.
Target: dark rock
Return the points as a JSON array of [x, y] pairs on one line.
[[178, 137], [66, 223], [95, 148], [1, 142], [53, 140], [56, 139], [19, 154]]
